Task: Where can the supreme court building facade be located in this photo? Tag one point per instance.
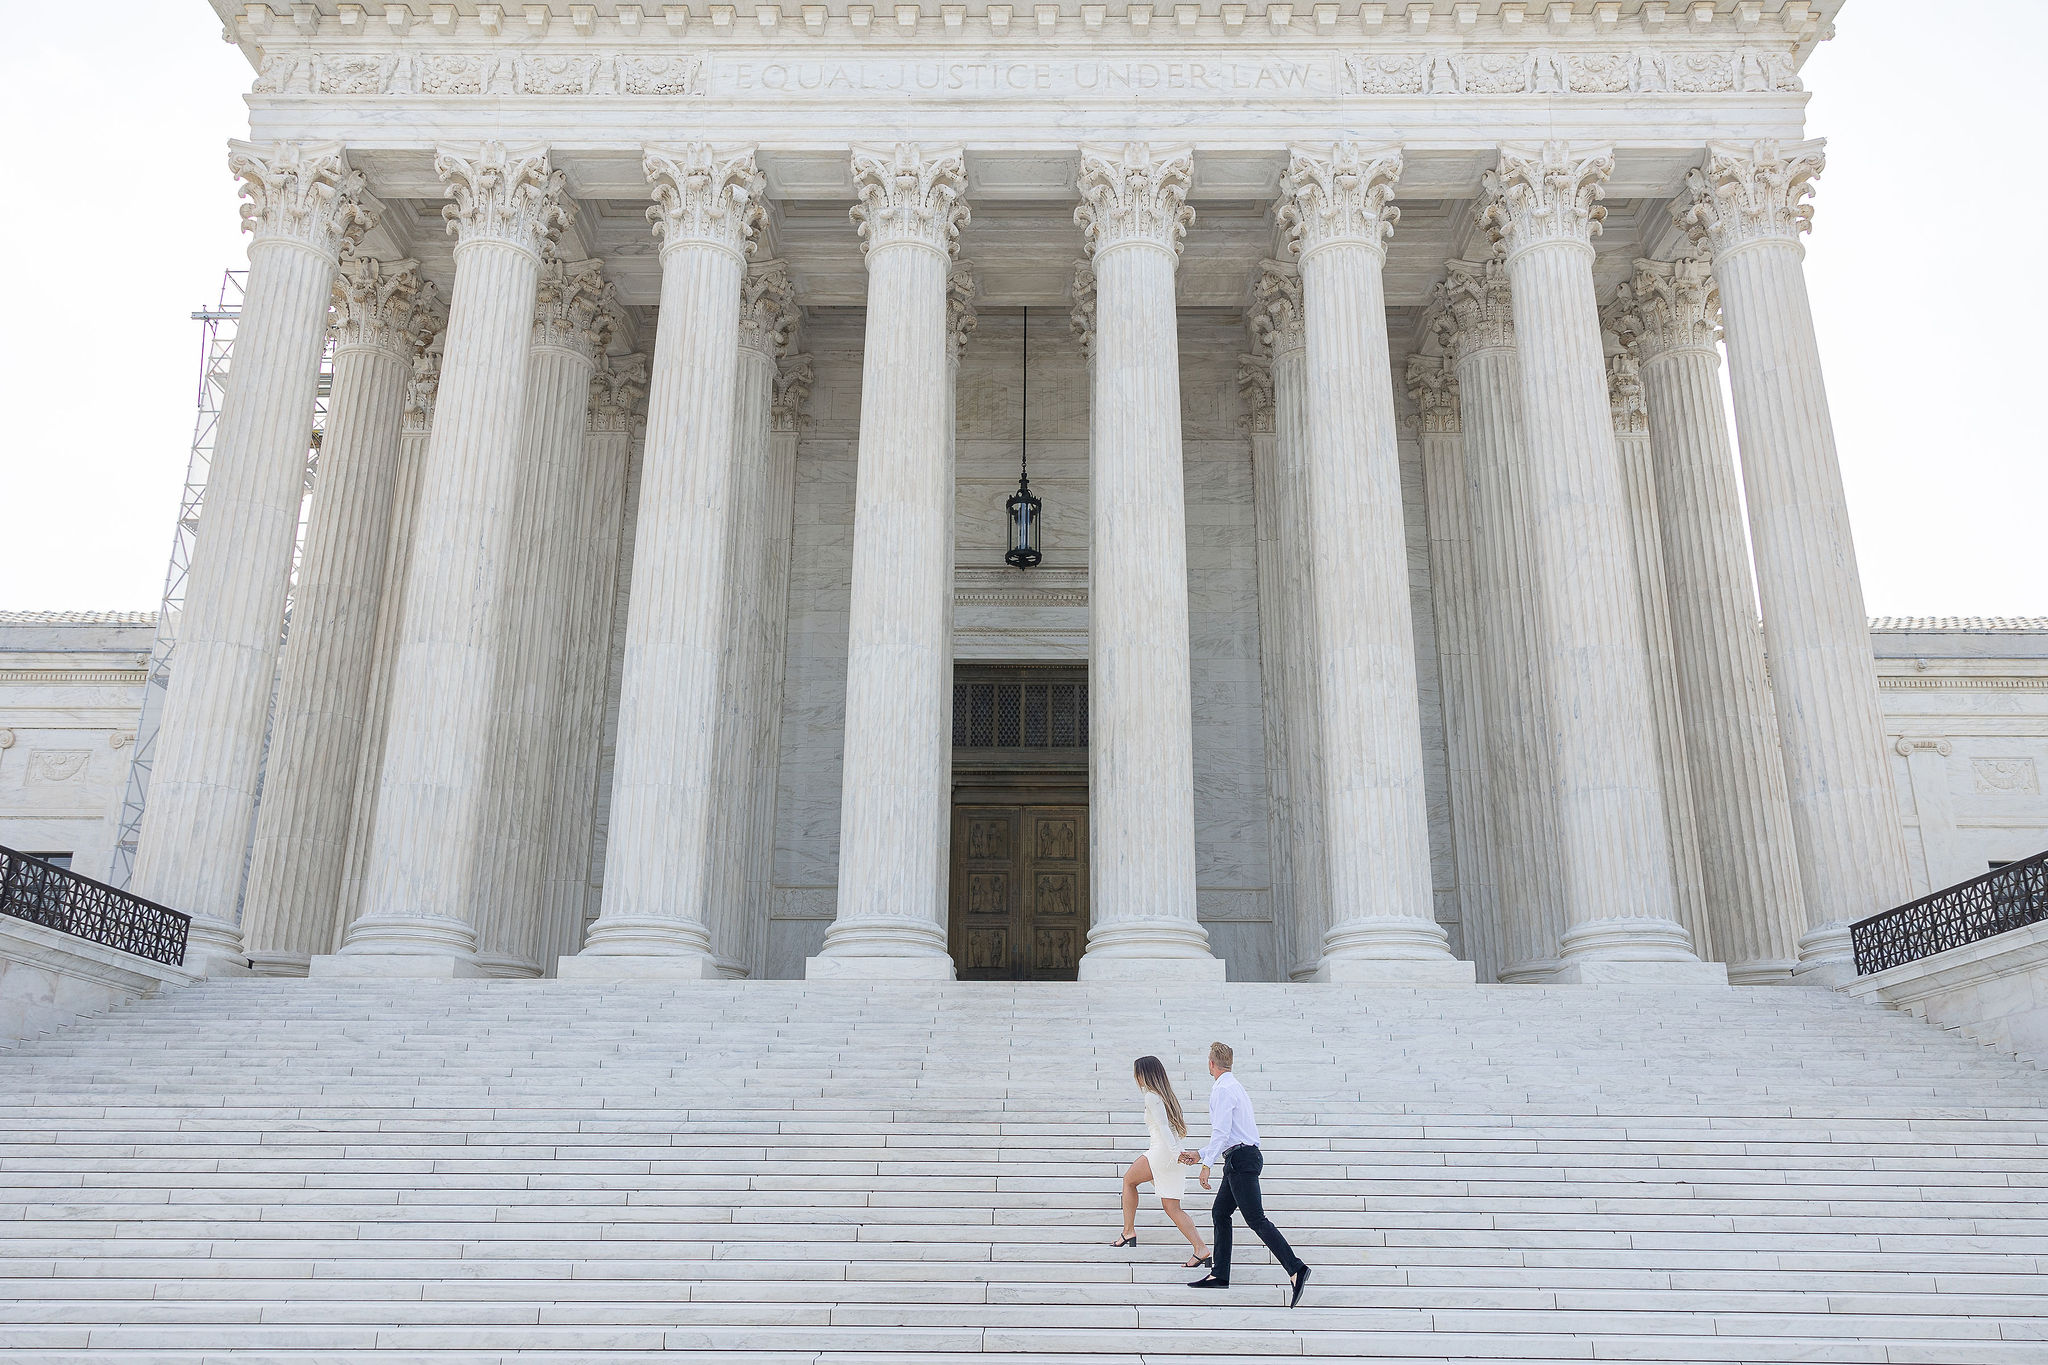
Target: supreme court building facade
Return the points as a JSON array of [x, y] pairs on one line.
[[1397, 619]]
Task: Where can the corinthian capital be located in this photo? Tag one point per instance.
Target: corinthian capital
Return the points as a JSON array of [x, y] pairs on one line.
[[1755, 192], [1545, 194], [616, 387], [300, 192], [1272, 309], [705, 196], [382, 304], [768, 309], [1480, 306], [1625, 393], [1134, 194], [1342, 194], [1669, 306], [960, 291], [1433, 384], [424, 385], [575, 307], [502, 194], [1255, 391], [1081, 318], [908, 196], [792, 392]]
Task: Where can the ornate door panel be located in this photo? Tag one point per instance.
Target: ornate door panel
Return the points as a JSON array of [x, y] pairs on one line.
[[1020, 892]]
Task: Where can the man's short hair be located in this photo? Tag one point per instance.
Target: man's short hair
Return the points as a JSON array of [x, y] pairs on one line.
[[1220, 1054]]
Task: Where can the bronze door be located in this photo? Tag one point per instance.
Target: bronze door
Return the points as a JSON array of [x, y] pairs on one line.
[[1020, 892]]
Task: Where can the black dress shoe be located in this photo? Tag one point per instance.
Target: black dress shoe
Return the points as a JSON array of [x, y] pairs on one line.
[[1208, 1282], [1300, 1283]]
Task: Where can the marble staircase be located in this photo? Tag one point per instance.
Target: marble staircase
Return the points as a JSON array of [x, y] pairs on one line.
[[284, 1171]]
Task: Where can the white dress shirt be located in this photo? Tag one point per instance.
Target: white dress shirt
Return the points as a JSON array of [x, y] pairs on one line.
[[1230, 1119]]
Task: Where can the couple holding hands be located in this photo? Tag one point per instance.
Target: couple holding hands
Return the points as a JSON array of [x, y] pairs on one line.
[[1232, 1151]]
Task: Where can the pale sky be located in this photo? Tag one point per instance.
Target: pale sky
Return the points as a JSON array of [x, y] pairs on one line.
[[118, 217]]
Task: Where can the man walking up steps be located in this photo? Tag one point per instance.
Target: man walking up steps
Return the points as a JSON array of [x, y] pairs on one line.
[[1234, 1146]]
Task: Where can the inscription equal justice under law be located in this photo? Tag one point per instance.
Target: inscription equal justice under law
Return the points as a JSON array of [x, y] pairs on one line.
[[1021, 77]]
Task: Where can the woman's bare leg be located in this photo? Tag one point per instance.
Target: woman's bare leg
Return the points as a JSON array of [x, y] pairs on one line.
[[1185, 1224], [1140, 1171]]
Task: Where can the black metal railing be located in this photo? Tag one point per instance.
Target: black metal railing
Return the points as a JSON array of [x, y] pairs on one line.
[[56, 898], [2008, 898]]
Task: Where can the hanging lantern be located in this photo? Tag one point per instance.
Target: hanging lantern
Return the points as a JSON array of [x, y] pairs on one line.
[[1023, 505]]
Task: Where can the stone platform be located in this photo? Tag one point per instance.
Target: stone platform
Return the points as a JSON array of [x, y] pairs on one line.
[[487, 1171]]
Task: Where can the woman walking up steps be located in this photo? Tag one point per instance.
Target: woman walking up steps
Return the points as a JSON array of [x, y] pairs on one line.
[[1161, 1163]]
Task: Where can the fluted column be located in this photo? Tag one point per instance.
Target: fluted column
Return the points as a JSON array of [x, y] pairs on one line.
[[1141, 812], [1337, 208], [617, 386], [1255, 407], [655, 918], [1453, 590], [1477, 309], [576, 312], [1273, 314], [1748, 862], [383, 313], [1544, 209], [1749, 205], [507, 206], [420, 392], [896, 803], [768, 317], [1639, 487], [302, 208]]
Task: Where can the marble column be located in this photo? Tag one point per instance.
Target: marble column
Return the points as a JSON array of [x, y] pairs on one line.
[[383, 313], [576, 313], [420, 392], [1475, 313], [1256, 420], [302, 210], [617, 386], [1337, 207], [1749, 206], [508, 205], [768, 319], [1273, 313], [655, 917], [896, 803], [1748, 861], [1453, 589], [1543, 208], [1639, 486], [1141, 813]]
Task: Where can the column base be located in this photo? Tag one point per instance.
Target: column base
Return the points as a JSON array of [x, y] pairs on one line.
[[601, 968], [855, 967], [413, 947], [1149, 950], [1391, 950], [1827, 956], [214, 948], [1395, 971], [509, 968], [1634, 950]]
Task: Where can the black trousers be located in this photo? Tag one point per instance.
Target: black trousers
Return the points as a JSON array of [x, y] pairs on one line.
[[1239, 1193]]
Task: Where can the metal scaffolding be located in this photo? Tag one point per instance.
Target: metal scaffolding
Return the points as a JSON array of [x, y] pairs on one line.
[[216, 352]]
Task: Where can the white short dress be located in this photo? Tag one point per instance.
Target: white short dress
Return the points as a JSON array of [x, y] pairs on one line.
[[1168, 1175]]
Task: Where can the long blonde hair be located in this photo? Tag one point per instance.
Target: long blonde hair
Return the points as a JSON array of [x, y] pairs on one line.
[[1151, 1075]]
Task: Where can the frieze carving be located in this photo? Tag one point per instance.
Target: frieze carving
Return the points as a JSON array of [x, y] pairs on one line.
[[1551, 71], [2015, 775], [299, 72], [503, 194], [703, 194], [1752, 192], [1546, 194], [1346, 195], [49, 767], [617, 385], [302, 192], [768, 309], [375, 303], [1134, 193], [1433, 384], [908, 195], [792, 393]]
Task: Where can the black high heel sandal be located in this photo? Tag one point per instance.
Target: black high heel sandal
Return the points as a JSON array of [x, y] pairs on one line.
[[1129, 1241], [1208, 1262]]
